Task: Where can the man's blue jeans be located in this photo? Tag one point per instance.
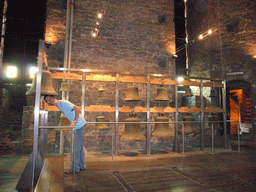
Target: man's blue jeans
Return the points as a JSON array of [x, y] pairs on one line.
[[79, 150]]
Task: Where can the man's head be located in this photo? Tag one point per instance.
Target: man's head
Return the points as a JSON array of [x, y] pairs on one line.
[[50, 99]]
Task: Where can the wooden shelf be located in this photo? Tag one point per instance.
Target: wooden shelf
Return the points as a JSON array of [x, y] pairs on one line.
[[138, 109], [131, 79]]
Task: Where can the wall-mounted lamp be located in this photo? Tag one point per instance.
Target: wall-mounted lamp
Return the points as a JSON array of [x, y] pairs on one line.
[[32, 71], [11, 71], [180, 79]]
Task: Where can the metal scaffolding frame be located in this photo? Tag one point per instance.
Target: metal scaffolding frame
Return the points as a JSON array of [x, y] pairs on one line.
[[36, 156]]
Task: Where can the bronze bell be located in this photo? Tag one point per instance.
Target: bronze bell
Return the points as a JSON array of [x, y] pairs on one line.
[[162, 129], [132, 131], [101, 88], [101, 125], [132, 94], [213, 119], [46, 85], [189, 127], [213, 93], [188, 92], [63, 122], [64, 86], [161, 94]]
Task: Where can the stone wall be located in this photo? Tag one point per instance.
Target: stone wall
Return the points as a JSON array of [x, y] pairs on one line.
[[231, 46]]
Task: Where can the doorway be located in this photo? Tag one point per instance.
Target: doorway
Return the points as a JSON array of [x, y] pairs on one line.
[[238, 104]]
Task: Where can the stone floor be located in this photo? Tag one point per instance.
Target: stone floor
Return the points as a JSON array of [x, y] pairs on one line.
[[218, 170], [222, 170]]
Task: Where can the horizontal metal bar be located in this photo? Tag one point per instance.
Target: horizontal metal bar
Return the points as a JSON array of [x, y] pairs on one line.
[[63, 127]]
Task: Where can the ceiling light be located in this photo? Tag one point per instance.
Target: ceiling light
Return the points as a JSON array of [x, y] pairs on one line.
[[99, 15], [11, 71]]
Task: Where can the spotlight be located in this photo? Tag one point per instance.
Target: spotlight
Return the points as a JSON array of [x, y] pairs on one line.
[[99, 15], [11, 71], [180, 79]]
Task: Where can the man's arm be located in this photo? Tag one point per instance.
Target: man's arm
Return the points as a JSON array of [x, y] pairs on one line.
[[77, 111]]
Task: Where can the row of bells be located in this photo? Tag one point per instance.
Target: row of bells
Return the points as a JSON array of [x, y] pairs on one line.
[[133, 131], [47, 89], [132, 91], [188, 93]]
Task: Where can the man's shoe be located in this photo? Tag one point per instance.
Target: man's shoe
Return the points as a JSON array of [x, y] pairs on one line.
[[69, 171]]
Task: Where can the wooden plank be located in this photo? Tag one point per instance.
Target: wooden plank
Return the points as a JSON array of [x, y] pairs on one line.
[[52, 175], [190, 83], [213, 109], [131, 79], [189, 109], [69, 76], [137, 109], [95, 77], [213, 84]]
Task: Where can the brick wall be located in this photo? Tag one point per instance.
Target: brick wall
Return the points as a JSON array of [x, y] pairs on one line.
[[231, 46], [134, 36]]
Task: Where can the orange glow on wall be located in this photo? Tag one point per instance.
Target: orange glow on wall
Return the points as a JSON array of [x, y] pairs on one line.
[[234, 116]]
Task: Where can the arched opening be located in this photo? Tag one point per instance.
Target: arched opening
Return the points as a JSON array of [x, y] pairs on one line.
[[238, 106]]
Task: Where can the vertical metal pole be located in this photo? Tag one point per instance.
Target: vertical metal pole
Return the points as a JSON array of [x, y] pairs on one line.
[[148, 116], [225, 114], [176, 147], [73, 153], [238, 137], [61, 142], [71, 4], [83, 94], [67, 37], [183, 139], [2, 37], [37, 106], [186, 34], [112, 134], [212, 139], [117, 112], [202, 116], [43, 133]]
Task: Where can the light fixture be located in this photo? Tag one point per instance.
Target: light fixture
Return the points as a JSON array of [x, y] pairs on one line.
[[94, 34], [11, 71], [254, 56], [32, 71], [180, 79], [99, 15]]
